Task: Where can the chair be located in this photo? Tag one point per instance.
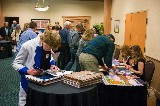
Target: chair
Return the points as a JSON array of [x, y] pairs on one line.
[[116, 54], [149, 70]]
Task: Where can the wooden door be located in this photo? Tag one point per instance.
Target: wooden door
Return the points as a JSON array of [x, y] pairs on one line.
[[128, 27], [139, 29], [135, 29]]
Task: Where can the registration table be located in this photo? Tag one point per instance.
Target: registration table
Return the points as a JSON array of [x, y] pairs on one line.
[[122, 95], [60, 94]]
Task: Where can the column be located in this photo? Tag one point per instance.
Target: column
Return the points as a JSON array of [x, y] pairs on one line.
[[107, 16], [1, 14]]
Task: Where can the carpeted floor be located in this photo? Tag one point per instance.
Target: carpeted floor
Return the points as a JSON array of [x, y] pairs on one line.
[[9, 83]]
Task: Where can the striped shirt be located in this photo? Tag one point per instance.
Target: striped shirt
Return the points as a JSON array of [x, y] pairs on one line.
[[25, 36]]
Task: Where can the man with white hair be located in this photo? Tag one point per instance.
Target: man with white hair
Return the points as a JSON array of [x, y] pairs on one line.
[[13, 26], [64, 56]]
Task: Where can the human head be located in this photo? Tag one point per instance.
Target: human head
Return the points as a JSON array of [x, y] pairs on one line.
[[111, 37], [56, 27], [126, 51], [6, 24], [26, 25], [88, 34], [57, 23], [33, 25], [67, 24], [18, 27], [14, 22], [48, 27], [51, 41], [80, 27], [136, 51]]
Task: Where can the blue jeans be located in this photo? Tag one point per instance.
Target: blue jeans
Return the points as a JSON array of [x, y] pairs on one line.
[[73, 58], [78, 67]]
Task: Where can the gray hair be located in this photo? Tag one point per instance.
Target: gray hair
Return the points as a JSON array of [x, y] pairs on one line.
[[67, 23]]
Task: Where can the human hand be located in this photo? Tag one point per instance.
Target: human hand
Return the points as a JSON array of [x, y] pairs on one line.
[[52, 52], [54, 67], [128, 67], [33, 72], [105, 68]]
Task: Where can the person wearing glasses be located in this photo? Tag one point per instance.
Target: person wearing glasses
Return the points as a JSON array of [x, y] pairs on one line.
[[34, 56]]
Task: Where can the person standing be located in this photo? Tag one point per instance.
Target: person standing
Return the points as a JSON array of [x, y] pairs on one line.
[[27, 35], [56, 24], [48, 27], [34, 57], [101, 46], [64, 56], [13, 26], [73, 39], [5, 31], [86, 37], [15, 36]]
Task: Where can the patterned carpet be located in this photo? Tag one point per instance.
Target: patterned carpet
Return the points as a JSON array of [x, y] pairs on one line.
[[9, 83]]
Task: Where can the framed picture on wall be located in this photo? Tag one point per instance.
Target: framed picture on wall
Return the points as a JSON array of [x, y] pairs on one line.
[[116, 26], [41, 23]]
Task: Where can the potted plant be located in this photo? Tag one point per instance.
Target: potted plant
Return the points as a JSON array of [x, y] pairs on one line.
[[99, 28]]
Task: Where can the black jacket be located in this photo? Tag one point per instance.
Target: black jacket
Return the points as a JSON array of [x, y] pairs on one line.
[[3, 32]]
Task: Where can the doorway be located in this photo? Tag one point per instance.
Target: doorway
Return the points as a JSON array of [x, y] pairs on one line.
[[11, 19]]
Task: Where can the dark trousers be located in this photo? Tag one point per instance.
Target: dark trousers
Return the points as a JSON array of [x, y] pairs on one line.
[[73, 64], [157, 102], [64, 56]]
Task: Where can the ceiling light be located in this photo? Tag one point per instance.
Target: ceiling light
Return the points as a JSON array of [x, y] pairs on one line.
[[41, 6]]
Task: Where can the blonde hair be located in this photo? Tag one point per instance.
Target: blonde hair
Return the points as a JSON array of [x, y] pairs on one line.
[[18, 28], [53, 40], [80, 26], [47, 27], [126, 49], [26, 25], [88, 34]]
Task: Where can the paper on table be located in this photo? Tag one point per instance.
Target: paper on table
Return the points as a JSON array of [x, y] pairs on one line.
[[133, 82], [60, 73]]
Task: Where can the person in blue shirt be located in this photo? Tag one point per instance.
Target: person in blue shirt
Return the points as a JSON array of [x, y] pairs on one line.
[[64, 56], [27, 35], [13, 26]]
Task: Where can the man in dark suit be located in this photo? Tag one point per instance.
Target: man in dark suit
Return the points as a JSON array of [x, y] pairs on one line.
[[5, 32]]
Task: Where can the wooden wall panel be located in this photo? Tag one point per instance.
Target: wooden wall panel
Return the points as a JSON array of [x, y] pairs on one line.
[[107, 16], [1, 14], [85, 20]]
